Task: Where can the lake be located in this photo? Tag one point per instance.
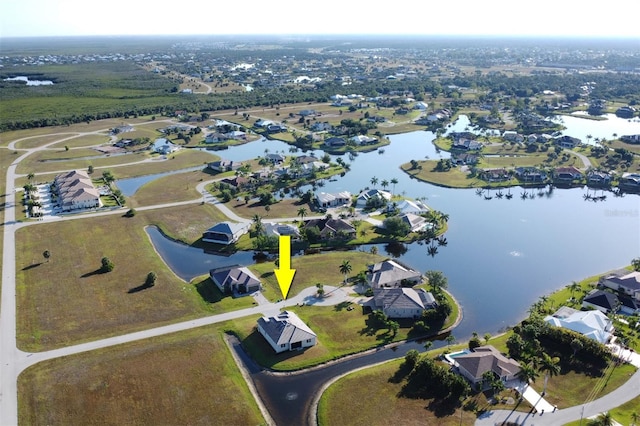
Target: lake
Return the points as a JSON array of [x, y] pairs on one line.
[[502, 255]]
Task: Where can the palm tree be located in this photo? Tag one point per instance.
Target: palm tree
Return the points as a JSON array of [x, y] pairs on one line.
[[373, 250], [374, 181], [345, 268], [528, 373], [427, 345], [550, 366], [30, 176], [573, 287], [394, 182], [604, 419], [258, 227], [302, 212], [384, 183], [634, 417], [450, 340]]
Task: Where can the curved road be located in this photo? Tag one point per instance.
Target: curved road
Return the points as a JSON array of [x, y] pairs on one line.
[[13, 361]]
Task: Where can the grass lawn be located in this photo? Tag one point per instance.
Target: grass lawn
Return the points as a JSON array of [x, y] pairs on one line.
[[66, 300], [84, 141], [182, 159], [352, 398], [284, 208], [185, 378], [312, 269], [340, 332], [40, 162], [168, 189], [183, 223]]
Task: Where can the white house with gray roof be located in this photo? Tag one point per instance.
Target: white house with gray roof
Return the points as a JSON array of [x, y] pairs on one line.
[[225, 232], [325, 199], [592, 324], [286, 332]]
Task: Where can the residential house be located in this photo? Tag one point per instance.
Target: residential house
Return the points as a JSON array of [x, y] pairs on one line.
[[604, 301], [237, 181], [263, 123], [473, 365], [272, 229], [623, 281], [276, 158], [235, 279], [416, 223], [307, 112], [276, 128], [632, 139], [225, 232], [440, 115], [321, 127], [215, 137], [409, 206], [224, 165], [364, 140], [567, 174], [335, 142], [629, 181], [568, 141], [336, 199], [421, 106], [372, 194], [392, 274], [163, 146], [512, 136], [464, 158], [530, 174], [332, 228], [466, 145], [598, 178], [494, 175], [305, 159], [76, 191], [286, 332], [237, 135], [626, 112], [592, 324], [403, 302]]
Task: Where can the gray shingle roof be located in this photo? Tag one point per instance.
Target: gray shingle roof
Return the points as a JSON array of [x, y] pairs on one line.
[[287, 327]]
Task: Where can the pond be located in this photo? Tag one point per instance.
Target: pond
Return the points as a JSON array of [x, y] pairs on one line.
[[30, 82], [502, 254]]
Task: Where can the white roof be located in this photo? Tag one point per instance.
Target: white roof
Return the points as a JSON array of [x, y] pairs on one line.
[[593, 324]]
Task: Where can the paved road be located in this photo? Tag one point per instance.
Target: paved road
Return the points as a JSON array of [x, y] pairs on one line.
[[14, 361]]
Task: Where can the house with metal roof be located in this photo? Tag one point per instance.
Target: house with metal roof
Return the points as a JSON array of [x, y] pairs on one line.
[[592, 324], [286, 332], [403, 302], [225, 232], [391, 274]]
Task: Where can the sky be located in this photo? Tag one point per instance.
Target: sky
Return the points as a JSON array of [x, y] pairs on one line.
[[566, 18]]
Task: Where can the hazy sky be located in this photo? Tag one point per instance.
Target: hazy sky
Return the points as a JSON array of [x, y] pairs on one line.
[[618, 18]]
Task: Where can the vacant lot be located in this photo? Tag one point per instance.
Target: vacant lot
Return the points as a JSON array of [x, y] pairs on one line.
[[184, 223], [170, 189], [186, 378], [67, 300]]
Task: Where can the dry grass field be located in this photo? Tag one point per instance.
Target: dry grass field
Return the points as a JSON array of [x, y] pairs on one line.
[[186, 378], [67, 300]]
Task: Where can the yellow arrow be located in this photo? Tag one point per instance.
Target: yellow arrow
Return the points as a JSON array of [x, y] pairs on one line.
[[285, 274]]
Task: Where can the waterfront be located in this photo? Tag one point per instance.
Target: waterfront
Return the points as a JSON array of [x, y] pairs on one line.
[[502, 254]]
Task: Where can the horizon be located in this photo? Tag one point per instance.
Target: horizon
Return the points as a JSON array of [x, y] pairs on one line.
[[492, 18]]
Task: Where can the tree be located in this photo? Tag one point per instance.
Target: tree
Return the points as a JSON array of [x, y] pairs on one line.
[[394, 182], [573, 287], [374, 181], [450, 340], [384, 184], [393, 327], [604, 419], [487, 337], [636, 263], [411, 358], [46, 254], [320, 290], [550, 366], [427, 345], [490, 379], [373, 250], [437, 280], [396, 227], [30, 176], [528, 373], [150, 281], [107, 265], [345, 268], [302, 212], [576, 345], [634, 417], [90, 169]]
